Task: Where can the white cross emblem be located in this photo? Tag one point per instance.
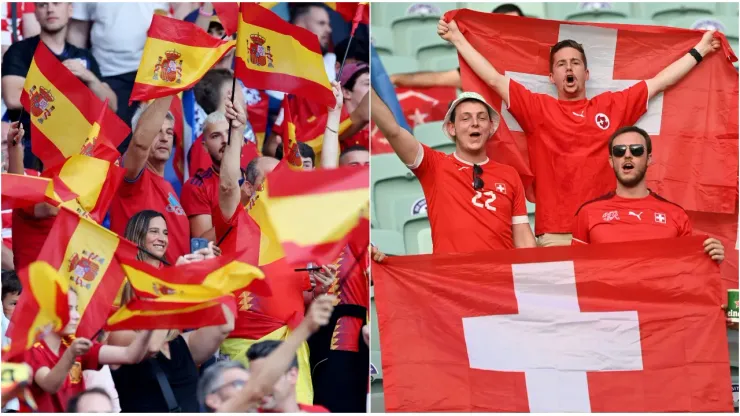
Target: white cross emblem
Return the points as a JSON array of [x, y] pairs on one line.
[[552, 341], [600, 45], [501, 188], [660, 217]]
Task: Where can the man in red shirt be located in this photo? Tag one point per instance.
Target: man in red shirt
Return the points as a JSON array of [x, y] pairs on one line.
[[144, 185], [474, 204], [566, 135], [633, 212]]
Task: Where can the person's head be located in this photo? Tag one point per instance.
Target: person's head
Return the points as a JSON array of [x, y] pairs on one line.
[[308, 156], [630, 153], [313, 17], [359, 51], [220, 382], [355, 156], [569, 69], [284, 390], [94, 400], [508, 8], [11, 292], [53, 17], [161, 148], [257, 170], [470, 122], [74, 313], [355, 84], [214, 88], [215, 135], [148, 229]]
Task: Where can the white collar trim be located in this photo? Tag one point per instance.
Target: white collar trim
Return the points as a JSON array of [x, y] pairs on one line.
[[468, 163]]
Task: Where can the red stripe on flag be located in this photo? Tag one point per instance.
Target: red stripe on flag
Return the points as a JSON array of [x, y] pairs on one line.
[[254, 14], [296, 85], [287, 183], [184, 33], [228, 15], [174, 318]]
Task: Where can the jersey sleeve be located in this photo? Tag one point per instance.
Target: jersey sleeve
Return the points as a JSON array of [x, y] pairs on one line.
[[91, 359], [631, 102], [524, 105], [426, 162], [194, 199], [581, 228], [519, 203], [685, 229]]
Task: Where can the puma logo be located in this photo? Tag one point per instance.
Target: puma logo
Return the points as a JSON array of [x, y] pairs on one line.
[[462, 168], [636, 215], [579, 115]]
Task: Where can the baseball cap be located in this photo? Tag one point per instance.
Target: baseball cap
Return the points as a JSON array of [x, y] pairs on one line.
[[351, 69], [469, 95]]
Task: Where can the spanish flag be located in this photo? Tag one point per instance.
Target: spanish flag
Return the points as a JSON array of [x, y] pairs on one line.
[[272, 54], [22, 191], [141, 314], [312, 212], [17, 381], [42, 308], [87, 254], [351, 11], [98, 146], [228, 15], [63, 110], [291, 152], [176, 56]]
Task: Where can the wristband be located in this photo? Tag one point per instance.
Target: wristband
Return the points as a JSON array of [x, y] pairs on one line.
[[693, 52]]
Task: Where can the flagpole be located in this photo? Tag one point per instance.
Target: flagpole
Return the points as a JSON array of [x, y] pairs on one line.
[[355, 22]]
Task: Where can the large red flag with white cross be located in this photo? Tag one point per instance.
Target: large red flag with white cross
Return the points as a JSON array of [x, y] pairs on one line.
[[693, 124], [623, 327]]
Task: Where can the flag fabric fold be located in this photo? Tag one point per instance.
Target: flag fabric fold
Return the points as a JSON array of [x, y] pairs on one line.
[[176, 56], [23, 191], [87, 254], [228, 14], [272, 54], [141, 314], [64, 111], [622, 327], [291, 152], [352, 11]]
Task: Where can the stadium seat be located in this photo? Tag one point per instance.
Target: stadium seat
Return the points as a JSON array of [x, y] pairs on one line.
[[388, 241], [534, 9], [430, 50], [444, 63], [407, 37], [431, 135], [390, 179], [425, 241], [587, 11], [725, 24], [399, 64], [417, 14], [382, 40], [664, 12], [405, 206], [413, 225]]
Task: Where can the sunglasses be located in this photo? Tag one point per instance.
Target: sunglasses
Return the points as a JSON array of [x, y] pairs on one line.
[[620, 150], [477, 181]]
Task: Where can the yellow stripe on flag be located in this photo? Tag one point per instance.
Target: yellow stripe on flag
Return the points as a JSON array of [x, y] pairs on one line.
[[44, 281], [86, 177], [123, 313], [270, 248]]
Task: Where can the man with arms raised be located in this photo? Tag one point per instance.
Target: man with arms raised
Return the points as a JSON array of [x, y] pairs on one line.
[[567, 134], [474, 204]]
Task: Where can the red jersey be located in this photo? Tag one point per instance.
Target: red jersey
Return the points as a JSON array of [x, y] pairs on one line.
[[568, 147], [361, 138], [30, 234], [352, 288], [463, 219], [612, 219], [40, 355], [199, 195], [151, 191]]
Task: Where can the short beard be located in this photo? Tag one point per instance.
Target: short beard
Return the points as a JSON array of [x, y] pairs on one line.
[[632, 182]]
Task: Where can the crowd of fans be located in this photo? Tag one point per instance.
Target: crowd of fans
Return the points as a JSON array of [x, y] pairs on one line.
[[252, 361]]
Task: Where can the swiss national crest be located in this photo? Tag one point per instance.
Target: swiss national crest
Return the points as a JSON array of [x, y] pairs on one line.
[[611, 215], [85, 267], [602, 121], [660, 218], [500, 188], [169, 69], [259, 53], [41, 100]]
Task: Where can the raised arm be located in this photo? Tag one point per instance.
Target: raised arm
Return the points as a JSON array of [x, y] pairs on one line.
[[229, 194], [148, 126], [449, 78], [204, 342], [451, 33], [360, 117], [678, 69], [330, 148], [404, 143], [130, 354]]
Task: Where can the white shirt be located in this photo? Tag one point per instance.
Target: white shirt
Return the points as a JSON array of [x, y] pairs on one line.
[[118, 32], [103, 379]]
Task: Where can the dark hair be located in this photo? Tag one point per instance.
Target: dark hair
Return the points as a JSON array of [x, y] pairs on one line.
[[296, 10], [508, 8], [75, 401], [350, 85], [632, 129], [354, 148], [253, 171], [452, 116], [359, 50], [567, 43], [208, 90], [11, 283], [306, 150], [138, 226], [265, 348]]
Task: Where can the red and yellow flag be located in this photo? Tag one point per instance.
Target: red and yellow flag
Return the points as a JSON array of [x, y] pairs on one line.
[[291, 152], [22, 191], [63, 110], [351, 11], [228, 15], [17, 381], [176, 56], [42, 308], [162, 314], [272, 54], [312, 212], [96, 144], [87, 254]]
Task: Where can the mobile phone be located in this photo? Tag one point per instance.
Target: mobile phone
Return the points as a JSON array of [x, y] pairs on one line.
[[197, 244]]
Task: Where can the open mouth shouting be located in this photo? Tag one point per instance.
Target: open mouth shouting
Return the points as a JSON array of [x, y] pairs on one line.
[[570, 80], [627, 167]]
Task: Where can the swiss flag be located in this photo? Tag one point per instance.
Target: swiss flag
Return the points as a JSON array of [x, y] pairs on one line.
[[623, 327], [694, 127]]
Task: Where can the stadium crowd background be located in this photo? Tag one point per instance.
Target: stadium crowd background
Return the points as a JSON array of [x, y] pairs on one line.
[[404, 36], [109, 40]]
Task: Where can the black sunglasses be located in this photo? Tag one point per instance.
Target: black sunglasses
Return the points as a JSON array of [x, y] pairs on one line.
[[477, 181], [620, 150]]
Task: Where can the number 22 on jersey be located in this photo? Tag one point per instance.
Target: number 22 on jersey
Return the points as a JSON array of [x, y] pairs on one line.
[[487, 202]]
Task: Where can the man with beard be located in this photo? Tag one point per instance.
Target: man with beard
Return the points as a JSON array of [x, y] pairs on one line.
[[633, 212]]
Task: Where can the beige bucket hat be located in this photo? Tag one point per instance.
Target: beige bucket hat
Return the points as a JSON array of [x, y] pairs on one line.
[[469, 95]]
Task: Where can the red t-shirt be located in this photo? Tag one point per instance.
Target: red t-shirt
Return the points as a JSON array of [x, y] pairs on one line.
[[568, 147], [200, 193], [465, 220], [352, 288], [151, 191], [361, 138], [41, 356], [612, 219]]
